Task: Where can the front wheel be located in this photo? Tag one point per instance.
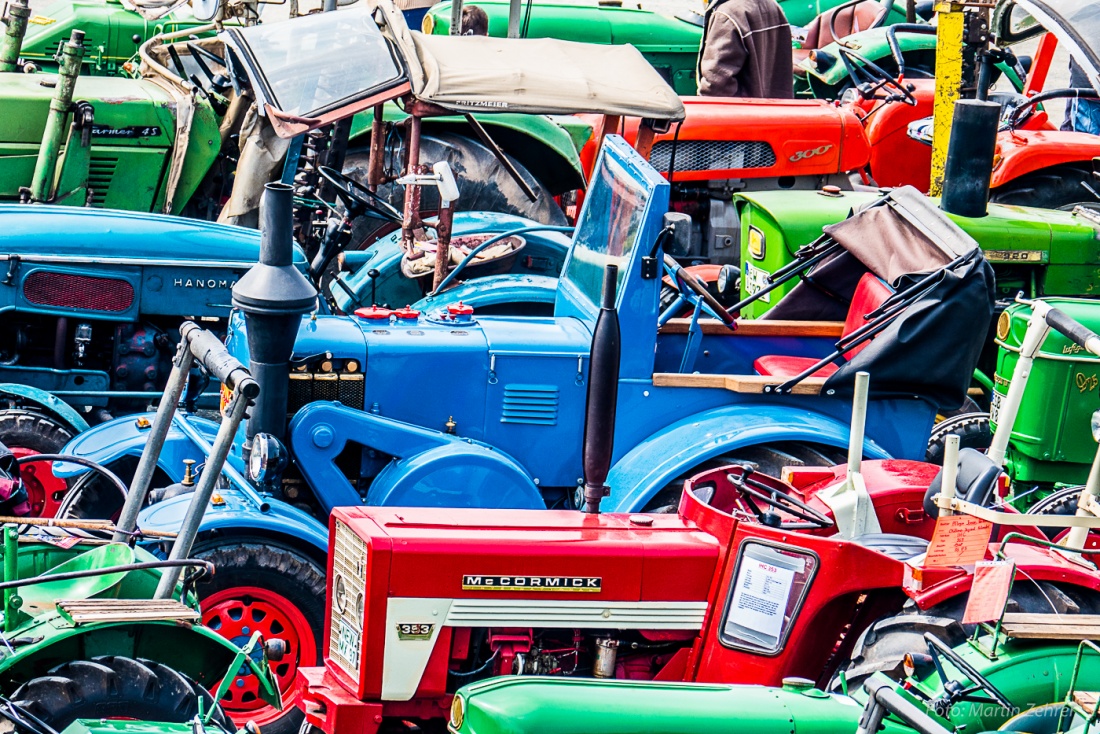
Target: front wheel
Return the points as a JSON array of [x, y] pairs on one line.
[[113, 687], [263, 585]]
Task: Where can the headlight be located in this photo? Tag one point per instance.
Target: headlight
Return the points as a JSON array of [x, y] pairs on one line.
[[268, 459], [727, 280], [756, 243], [428, 24], [1096, 426], [458, 712]]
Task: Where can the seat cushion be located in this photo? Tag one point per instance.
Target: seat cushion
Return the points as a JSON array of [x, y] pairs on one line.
[[778, 365], [898, 547], [871, 292]]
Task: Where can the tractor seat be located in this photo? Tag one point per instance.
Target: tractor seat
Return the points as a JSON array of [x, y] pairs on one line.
[[976, 481], [898, 547], [870, 293]]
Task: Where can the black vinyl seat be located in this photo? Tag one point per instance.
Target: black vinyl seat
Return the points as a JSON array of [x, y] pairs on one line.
[[898, 547]]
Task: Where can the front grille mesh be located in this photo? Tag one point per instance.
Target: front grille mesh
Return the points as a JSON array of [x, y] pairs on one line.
[[533, 404], [712, 155], [306, 387], [349, 566], [65, 290]]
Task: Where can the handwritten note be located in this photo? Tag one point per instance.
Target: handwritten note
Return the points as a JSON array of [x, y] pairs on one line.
[[989, 592], [958, 540]]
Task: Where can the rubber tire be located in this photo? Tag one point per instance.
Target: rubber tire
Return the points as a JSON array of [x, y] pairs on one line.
[[100, 500], [1057, 187], [972, 429], [1059, 502], [29, 429], [115, 687], [767, 459], [285, 570]]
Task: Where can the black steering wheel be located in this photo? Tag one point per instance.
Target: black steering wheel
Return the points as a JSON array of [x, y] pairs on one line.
[[358, 198], [868, 77], [755, 490], [953, 691]]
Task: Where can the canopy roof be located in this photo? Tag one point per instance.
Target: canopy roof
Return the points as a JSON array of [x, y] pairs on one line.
[[1075, 23]]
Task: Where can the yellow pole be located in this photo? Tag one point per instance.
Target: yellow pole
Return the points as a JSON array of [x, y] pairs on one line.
[[949, 77]]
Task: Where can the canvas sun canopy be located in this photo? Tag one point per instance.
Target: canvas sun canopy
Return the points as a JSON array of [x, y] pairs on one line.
[[1075, 23]]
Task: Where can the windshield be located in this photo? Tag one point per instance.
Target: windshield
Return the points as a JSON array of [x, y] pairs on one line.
[[1076, 23], [309, 65], [608, 229]]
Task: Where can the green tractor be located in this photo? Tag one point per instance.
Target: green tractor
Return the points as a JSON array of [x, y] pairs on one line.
[[94, 627]]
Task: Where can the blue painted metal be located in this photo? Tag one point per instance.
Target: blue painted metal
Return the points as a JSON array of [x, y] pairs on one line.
[[122, 437], [30, 397], [502, 398], [494, 292]]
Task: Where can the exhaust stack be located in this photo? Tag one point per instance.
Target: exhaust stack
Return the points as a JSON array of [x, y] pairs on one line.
[[969, 163], [273, 295], [18, 13], [602, 398]]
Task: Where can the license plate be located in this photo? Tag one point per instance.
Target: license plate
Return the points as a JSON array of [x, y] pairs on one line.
[[348, 643], [756, 280], [995, 407]]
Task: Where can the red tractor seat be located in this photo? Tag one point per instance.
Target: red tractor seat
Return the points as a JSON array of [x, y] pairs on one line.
[[870, 293]]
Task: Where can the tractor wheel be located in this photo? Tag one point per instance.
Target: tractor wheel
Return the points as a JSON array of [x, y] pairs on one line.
[[972, 429], [765, 458], [26, 433], [1058, 187], [1059, 502], [263, 585], [112, 687], [92, 497]]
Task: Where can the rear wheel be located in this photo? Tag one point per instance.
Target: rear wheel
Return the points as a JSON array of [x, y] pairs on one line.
[[972, 429], [1057, 187], [26, 433], [112, 687], [263, 585]]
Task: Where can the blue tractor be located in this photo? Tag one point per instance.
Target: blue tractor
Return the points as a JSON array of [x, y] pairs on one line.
[[462, 410]]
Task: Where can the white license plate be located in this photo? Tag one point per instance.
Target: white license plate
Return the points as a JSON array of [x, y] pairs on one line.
[[348, 643], [755, 281], [995, 407]]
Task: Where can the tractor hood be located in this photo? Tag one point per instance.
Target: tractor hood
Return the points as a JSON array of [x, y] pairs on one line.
[[1075, 23]]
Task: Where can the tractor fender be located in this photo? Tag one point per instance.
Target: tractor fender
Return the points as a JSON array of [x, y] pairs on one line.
[[192, 649], [429, 468], [42, 401], [1063, 574], [121, 437], [1041, 149], [235, 514], [681, 446]]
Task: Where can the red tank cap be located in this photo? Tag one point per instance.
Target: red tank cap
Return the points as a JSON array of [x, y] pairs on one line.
[[374, 312], [460, 309], [407, 313]]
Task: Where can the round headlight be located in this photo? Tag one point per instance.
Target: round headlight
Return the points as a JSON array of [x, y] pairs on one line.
[[268, 459], [428, 24], [1003, 324], [727, 280], [1095, 425], [340, 594], [458, 712]]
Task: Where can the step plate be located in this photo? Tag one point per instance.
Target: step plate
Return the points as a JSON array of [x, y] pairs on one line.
[[87, 611]]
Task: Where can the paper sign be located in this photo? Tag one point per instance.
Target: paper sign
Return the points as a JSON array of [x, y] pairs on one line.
[[760, 597], [958, 540], [989, 592]]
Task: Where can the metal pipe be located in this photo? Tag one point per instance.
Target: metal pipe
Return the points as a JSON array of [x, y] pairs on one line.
[[201, 498], [602, 397], [18, 13], [513, 18], [53, 135], [411, 209], [443, 242], [967, 168], [11, 572], [147, 464], [456, 18], [1037, 330], [859, 422], [950, 477]]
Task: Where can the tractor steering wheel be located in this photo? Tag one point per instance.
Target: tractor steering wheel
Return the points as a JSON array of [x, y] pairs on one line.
[[357, 197], [953, 691], [696, 286], [753, 489], [870, 77]]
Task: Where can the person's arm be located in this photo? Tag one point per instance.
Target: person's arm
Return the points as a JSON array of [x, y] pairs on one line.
[[723, 57]]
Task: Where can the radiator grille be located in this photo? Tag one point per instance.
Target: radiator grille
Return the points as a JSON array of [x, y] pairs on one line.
[[63, 290], [306, 387], [532, 404], [348, 598], [712, 155], [100, 172]]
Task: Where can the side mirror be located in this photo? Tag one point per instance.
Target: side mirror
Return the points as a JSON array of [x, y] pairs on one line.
[[448, 187], [679, 242]]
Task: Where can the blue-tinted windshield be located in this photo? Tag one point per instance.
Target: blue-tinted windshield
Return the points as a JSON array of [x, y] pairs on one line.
[[607, 231]]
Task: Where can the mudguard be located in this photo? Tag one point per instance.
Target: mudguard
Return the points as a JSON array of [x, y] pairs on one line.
[[1025, 151], [113, 440], [497, 291], [43, 401], [675, 450], [236, 514], [429, 468]]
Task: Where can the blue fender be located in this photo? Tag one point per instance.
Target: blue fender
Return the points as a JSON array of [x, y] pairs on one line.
[[108, 442], [429, 469], [235, 514], [495, 290], [43, 401], [675, 450]]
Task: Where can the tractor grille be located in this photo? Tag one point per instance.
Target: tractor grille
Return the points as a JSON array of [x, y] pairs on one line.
[[100, 172], [533, 404], [306, 387], [347, 596], [712, 155], [63, 290]]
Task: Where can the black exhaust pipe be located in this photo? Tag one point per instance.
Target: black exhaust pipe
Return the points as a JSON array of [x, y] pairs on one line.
[[603, 396], [969, 163], [273, 296]]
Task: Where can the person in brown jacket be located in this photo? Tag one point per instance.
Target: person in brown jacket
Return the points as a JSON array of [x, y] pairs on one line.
[[746, 51]]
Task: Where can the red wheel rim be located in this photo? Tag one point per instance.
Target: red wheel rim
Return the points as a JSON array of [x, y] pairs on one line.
[[238, 612], [44, 490]]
